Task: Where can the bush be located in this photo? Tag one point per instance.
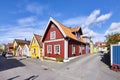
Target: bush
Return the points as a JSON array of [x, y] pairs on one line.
[[59, 59]]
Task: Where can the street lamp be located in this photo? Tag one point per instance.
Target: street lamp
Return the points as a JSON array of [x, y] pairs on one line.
[[87, 39]]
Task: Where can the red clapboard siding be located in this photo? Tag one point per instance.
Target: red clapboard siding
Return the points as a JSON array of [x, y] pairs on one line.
[[61, 55], [58, 33]]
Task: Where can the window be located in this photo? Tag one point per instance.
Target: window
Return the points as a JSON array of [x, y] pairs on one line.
[[52, 35], [52, 25], [49, 48], [73, 49], [57, 49], [34, 50], [78, 35]]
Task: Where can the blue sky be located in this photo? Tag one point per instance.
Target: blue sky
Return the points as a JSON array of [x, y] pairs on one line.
[[21, 18]]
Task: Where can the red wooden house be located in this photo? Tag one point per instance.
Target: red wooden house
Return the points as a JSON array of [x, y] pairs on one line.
[[10, 48], [63, 42]]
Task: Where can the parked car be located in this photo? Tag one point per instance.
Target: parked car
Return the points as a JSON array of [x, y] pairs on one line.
[[5, 54], [8, 55]]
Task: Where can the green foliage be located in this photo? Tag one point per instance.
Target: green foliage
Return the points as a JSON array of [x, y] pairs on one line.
[[15, 50], [1, 50], [112, 39], [59, 59]]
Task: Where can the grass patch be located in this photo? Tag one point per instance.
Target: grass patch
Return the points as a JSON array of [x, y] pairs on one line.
[[59, 59]]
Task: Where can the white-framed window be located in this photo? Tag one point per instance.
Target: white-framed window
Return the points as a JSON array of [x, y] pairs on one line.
[[52, 25], [49, 48], [73, 48], [53, 35], [57, 49]]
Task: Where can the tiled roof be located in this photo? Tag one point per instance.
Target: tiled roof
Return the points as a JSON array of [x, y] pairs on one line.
[[19, 41], [21, 46], [75, 29], [10, 45], [38, 38], [68, 32]]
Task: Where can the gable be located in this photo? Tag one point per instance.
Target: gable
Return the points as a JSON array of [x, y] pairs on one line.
[[65, 31], [36, 40], [52, 27], [15, 44], [19, 48], [25, 47], [48, 25]]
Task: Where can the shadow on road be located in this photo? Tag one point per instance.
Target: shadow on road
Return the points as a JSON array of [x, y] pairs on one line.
[[13, 78], [10, 63], [32, 77], [105, 58]]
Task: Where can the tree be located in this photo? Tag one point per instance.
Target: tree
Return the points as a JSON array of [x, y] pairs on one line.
[[15, 50], [112, 39]]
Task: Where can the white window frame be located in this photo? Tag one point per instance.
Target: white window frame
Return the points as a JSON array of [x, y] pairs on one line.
[[55, 49], [73, 48], [53, 35], [50, 48]]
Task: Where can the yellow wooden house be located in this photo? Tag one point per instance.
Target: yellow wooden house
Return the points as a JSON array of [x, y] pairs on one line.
[[18, 42], [36, 47]]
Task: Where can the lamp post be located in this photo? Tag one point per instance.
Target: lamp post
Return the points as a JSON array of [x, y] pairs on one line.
[[87, 39]]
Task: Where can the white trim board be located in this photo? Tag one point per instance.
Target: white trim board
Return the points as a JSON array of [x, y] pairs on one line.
[[55, 40]]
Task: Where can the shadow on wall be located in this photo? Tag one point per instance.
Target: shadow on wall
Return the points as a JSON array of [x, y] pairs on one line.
[[10, 63], [105, 58]]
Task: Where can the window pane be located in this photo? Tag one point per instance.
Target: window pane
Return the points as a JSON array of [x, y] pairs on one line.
[[49, 49], [52, 35], [57, 49]]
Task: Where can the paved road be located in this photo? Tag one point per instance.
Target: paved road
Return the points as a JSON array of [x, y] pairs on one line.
[[82, 68]]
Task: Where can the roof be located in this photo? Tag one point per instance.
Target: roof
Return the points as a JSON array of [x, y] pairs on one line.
[[21, 46], [10, 45], [68, 31], [19, 41], [38, 38], [75, 29]]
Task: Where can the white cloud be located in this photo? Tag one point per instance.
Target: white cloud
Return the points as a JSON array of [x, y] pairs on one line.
[[74, 21], [91, 18], [85, 21], [89, 32], [27, 20], [35, 8], [25, 29], [99, 38], [88, 22], [19, 33], [31, 22], [103, 17], [94, 35], [114, 28], [96, 18]]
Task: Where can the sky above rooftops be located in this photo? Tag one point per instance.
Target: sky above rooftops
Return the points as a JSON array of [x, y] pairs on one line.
[[21, 18]]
